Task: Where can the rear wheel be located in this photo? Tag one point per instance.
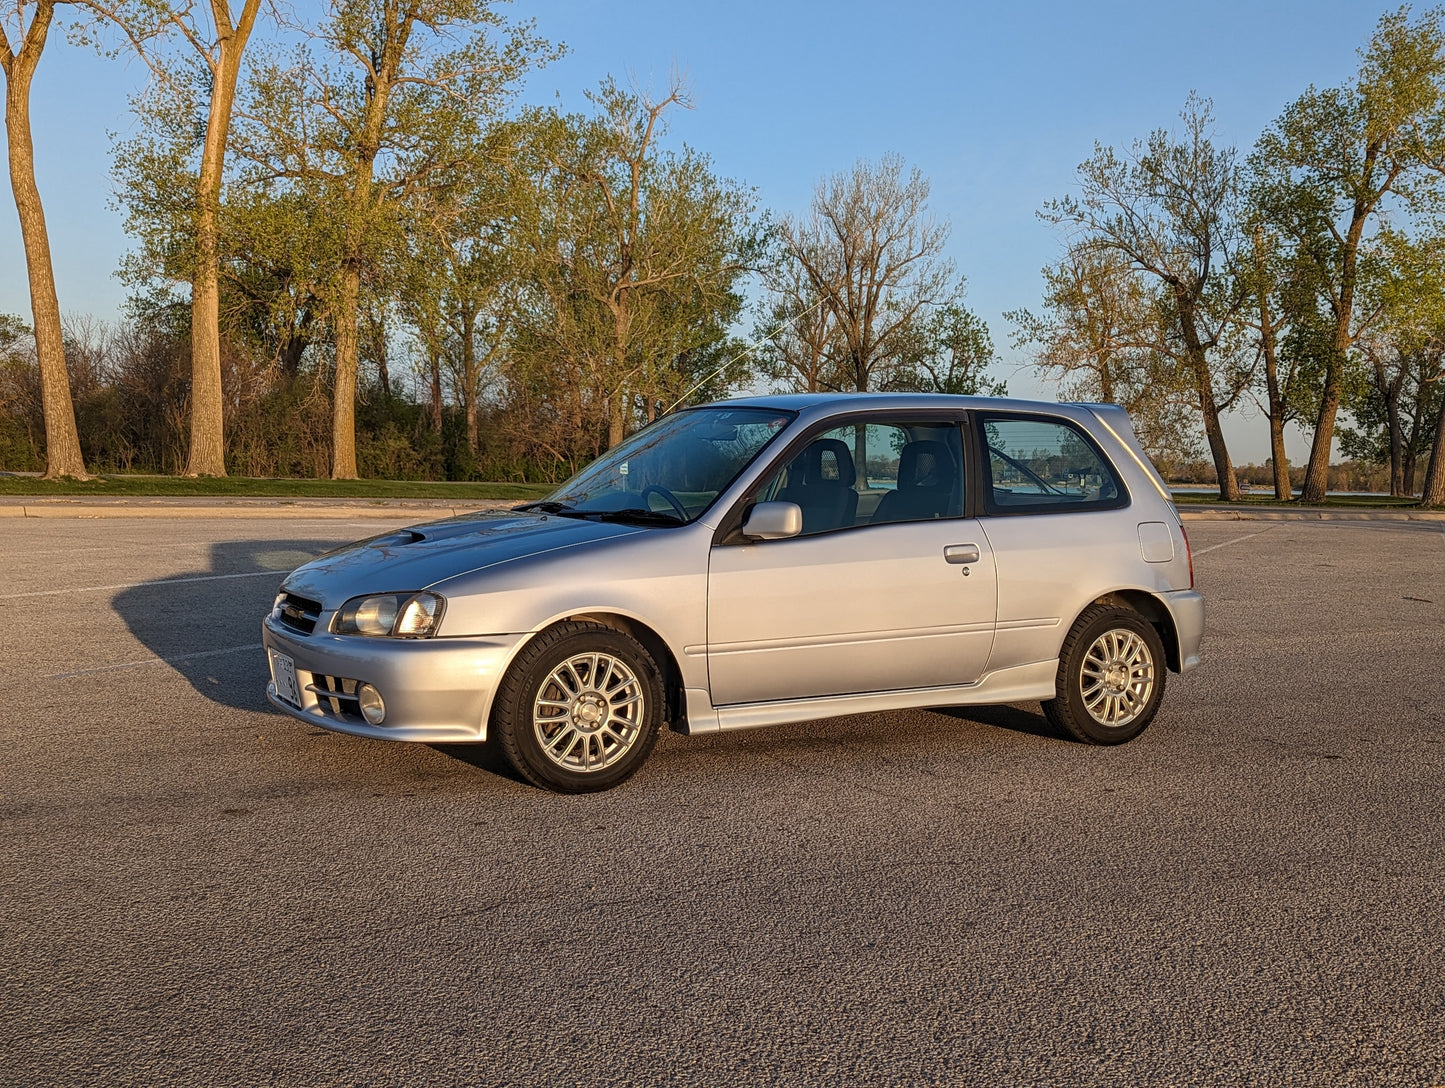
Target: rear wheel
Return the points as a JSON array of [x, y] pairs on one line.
[[580, 708], [1111, 676]]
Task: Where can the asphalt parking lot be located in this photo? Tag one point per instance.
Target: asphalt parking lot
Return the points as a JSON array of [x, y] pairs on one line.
[[197, 890]]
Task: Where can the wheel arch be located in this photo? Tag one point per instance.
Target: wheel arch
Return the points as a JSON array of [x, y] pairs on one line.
[[649, 640], [1152, 609]]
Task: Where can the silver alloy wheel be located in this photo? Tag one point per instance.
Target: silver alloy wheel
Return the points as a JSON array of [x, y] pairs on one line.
[[1117, 677], [589, 712]]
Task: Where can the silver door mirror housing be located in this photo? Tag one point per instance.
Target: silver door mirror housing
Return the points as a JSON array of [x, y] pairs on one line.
[[773, 521]]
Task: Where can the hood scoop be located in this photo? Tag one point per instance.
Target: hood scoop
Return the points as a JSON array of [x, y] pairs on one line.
[[398, 538]]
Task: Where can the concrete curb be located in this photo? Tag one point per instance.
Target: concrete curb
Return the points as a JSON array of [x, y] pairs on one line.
[[1232, 513]]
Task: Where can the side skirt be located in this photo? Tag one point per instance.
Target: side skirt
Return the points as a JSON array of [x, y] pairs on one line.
[[1021, 683]]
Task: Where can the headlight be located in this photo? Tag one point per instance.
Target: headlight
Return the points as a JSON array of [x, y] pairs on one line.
[[390, 615]]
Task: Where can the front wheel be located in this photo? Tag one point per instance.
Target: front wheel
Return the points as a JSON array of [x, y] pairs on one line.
[[1111, 677], [580, 708]]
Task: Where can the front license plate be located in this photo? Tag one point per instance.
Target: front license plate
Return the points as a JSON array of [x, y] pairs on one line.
[[283, 675]]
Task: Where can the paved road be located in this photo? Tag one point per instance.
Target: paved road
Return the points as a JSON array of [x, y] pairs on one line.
[[195, 890]]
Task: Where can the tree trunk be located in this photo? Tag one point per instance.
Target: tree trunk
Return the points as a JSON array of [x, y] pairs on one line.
[[1317, 474], [1219, 450], [1397, 443], [1279, 461], [376, 333], [616, 425], [1434, 493], [1106, 379], [208, 436], [620, 400], [343, 389], [1283, 490], [62, 439], [434, 369], [469, 376], [395, 32], [1204, 385], [291, 354]]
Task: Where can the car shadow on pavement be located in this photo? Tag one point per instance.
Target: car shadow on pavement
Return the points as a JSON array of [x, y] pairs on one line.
[[1015, 718], [206, 624]]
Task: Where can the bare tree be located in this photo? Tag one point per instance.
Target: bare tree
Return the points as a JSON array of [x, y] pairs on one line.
[[62, 439], [1168, 209], [873, 252], [799, 332]]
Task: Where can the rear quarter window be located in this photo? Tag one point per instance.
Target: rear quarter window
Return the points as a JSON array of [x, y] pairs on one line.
[[1044, 465]]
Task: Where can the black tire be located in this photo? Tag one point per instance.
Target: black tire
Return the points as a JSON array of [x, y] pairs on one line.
[[579, 709], [1111, 665]]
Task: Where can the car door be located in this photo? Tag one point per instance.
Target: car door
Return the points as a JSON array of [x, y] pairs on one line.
[[899, 592]]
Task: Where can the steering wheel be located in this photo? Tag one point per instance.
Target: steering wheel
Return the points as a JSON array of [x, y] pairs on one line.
[[667, 495]]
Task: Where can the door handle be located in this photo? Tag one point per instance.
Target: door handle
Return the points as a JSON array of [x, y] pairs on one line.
[[961, 553]]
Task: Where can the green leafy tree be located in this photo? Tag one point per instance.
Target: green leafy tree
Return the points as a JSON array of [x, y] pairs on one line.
[[1328, 168], [389, 98], [634, 260], [952, 355], [1098, 336], [1394, 406]]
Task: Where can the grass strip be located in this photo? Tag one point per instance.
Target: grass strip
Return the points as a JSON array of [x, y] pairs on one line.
[[258, 487], [1343, 502]]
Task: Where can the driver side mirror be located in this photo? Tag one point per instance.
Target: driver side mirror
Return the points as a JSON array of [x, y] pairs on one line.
[[773, 521]]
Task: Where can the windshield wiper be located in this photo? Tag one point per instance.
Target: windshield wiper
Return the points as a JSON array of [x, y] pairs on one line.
[[636, 515], [631, 514]]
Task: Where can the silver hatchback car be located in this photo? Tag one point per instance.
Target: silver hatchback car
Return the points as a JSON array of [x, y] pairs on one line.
[[759, 561]]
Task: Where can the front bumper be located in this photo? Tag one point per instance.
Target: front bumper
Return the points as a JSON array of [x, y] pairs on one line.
[[1186, 608], [436, 690]]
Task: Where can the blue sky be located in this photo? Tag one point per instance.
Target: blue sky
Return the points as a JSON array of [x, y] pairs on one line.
[[996, 103]]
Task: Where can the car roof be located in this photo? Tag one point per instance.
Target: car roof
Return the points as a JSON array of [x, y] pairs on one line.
[[798, 402]]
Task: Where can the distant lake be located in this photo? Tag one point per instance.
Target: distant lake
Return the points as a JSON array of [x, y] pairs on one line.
[[1200, 489]]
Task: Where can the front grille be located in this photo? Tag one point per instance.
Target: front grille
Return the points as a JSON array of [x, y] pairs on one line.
[[298, 614], [336, 697]]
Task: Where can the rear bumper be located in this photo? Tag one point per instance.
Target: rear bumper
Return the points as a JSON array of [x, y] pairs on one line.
[[435, 690], [1186, 609]]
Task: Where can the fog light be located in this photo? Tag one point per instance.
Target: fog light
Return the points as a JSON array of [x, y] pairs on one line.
[[372, 708]]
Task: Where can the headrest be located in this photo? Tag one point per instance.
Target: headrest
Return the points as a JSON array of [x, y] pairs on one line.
[[925, 463], [826, 461]]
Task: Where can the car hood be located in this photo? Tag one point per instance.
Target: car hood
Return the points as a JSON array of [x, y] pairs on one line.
[[423, 555]]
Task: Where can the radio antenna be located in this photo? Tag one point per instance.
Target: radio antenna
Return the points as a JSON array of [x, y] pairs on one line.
[[751, 347]]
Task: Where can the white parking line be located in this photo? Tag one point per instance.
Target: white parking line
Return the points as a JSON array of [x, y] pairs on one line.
[[156, 661], [138, 585], [1215, 547]]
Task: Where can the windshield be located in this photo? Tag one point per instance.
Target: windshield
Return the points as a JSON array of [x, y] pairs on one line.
[[671, 471]]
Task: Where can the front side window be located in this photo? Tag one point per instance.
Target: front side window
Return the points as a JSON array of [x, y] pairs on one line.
[[671, 471], [874, 472], [1045, 465]]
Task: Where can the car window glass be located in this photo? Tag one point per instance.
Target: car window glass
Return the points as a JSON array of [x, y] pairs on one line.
[[1036, 464], [675, 467], [869, 473]]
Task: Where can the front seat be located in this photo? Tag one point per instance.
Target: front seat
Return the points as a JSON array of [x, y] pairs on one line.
[[820, 481], [927, 486]]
